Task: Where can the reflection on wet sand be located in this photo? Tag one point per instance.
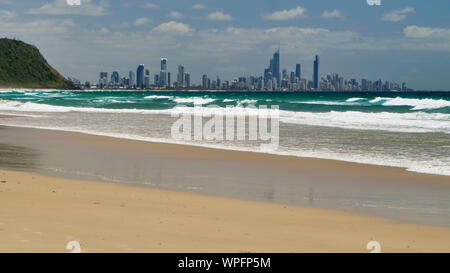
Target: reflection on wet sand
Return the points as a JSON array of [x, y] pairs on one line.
[[384, 191], [18, 158]]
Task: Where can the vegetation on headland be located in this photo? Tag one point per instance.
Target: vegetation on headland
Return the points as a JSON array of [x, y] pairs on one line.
[[23, 66]]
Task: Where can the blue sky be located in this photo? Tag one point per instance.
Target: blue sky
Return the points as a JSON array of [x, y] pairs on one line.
[[401, 40]]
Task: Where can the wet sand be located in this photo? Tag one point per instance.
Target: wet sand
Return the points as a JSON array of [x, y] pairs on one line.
[[43, 214], [382, 191]]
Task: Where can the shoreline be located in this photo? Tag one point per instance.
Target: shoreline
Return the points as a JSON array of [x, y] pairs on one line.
[[42, 214], [213, 147]]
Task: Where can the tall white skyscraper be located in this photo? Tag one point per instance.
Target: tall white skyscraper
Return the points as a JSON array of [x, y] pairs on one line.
[[163, 73], [132, 78], [180, 77]]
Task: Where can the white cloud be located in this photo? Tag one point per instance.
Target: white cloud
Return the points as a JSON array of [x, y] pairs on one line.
[[175, 15], [60, 7], [173, 27], [219, 16], [209, 49], [293, 13], [151, 6], [141, 21], [426, 32], [332, 14], [198, 7], [6, 14], [397, 15], [45, 27]]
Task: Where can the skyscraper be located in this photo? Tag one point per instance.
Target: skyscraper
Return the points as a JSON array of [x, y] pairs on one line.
[[276, 67], [115, 78], [169, 83], [147, 78], [180, 76], [163, 73], [140, 76], [187, 80], [163, 63], [204, 81], [316, 73], [298, 71], [132, 81], [103, 78]]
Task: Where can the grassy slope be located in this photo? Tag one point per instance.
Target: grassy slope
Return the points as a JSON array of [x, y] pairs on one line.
[[22, 65]]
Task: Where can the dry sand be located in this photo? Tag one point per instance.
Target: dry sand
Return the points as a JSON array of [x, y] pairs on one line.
[[42, 214]]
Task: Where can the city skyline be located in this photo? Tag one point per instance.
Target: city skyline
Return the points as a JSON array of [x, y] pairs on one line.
[[405, 41], [271, 80]]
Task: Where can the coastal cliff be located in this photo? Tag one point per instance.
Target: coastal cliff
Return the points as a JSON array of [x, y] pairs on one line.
[[23, 66]]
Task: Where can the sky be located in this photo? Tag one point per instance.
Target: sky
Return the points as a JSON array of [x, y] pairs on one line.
[[399, 40]]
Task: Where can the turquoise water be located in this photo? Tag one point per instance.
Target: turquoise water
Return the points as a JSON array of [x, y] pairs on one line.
[[410, 130], [427, 102]]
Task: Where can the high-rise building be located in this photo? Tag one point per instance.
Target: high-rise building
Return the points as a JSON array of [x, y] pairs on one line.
[[115, 78], [364, 85], [132, 79], [204, 81], [140, 76], [147, 78], [169, 83], [162, 78], [180, 76], [163, 63], [187, 80], [163, 73], [276, 67], [292, 77], [316, 73], [218, 82], [103, 80], [298, 71]]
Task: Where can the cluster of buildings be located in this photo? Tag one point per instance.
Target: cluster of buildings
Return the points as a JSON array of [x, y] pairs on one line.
[[141, 79], [273, 79]]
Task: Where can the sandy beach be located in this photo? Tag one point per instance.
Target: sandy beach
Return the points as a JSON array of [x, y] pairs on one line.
[[42, 214], [156, 197]]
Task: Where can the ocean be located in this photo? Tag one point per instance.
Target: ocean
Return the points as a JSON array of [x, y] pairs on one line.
[[410, 130]]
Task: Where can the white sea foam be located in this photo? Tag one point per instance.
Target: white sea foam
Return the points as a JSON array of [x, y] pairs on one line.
[[158, 97], [322, 102], [194, 100], [354, 99], [397, 122], [246, 102], [419, 104], [122, 101], [378, 99]]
